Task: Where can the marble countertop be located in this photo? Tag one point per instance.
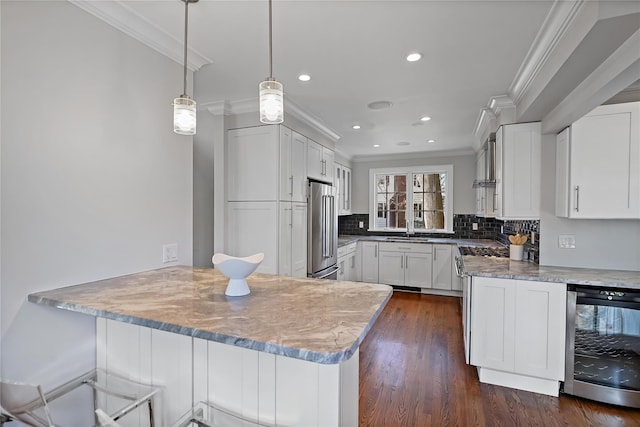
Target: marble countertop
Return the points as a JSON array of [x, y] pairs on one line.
[[310, 319], [345, 239], [505, 268]]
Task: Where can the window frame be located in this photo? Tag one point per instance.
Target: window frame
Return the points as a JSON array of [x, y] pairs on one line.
[[409, 171]]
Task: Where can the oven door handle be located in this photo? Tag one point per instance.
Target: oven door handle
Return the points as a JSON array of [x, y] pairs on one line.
[[610, 303]]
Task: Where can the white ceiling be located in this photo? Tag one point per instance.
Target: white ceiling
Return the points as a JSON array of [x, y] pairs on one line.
[[355, 52]]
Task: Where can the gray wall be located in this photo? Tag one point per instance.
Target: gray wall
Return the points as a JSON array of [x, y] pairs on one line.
[[609, 244], [94, 181], [464, 172]]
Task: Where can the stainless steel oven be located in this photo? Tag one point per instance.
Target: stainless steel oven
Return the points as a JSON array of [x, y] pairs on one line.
[[603, 344]]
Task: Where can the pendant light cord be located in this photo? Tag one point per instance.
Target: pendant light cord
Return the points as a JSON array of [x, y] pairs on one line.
[[270, 46], [186, 26]]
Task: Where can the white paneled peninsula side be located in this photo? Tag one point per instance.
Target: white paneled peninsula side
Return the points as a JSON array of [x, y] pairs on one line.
[[287, 354]]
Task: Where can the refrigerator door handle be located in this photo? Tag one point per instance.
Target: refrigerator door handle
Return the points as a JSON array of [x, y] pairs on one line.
[[333, 224], [323, 222]]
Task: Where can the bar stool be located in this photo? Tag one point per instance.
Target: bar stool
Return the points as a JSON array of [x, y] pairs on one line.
[[29, 404], [204, 414]]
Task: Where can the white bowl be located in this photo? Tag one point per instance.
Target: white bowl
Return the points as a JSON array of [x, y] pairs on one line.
[[237, 269]]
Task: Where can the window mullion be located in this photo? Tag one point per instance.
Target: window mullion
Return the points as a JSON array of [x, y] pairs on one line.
[[409, 191]]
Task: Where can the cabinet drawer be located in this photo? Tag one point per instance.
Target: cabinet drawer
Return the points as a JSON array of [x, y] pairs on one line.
[[425, 248], [346, 249]]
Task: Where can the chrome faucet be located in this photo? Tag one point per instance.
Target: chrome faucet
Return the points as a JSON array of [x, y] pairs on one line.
[[410, 230]]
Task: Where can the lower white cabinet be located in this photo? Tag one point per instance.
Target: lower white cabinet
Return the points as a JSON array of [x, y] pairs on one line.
[[369, 261], [518, 333], [349, 262], [442, 272], [405, 264]]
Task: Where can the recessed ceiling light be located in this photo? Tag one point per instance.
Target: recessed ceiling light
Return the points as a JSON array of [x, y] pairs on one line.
[[431, 141], [380, 105], [413, 57], [425, 118], [356, 127], [376, 145], [403, 143], [304, 77]]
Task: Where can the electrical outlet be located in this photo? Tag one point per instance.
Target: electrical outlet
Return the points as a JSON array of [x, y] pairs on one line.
[[567, 241], [474, 226], [361, 224], [170, 252]]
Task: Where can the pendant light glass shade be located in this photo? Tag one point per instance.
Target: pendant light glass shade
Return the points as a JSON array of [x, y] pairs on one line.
[[271, 97], [271, 102], [184, 107], [184, 115]]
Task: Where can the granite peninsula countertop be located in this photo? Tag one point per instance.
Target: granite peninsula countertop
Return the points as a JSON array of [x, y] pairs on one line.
[[310, 319], [504, 268]]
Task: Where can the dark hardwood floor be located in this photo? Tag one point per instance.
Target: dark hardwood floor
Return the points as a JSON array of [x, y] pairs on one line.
[[412, 373]]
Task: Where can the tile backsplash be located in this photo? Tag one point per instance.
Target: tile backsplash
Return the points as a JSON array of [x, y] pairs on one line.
[[488, 228]]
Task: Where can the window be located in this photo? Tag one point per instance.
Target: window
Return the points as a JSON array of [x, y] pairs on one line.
[[412, 199]]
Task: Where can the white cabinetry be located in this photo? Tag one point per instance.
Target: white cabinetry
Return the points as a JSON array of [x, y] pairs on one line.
[[266, 193], [442, 277], [343, 185], [518, 171], [598, 164], [292, 258], [320, 162], [369, 261], [252, 227], [405, 264], [349, 262], [518, 333]]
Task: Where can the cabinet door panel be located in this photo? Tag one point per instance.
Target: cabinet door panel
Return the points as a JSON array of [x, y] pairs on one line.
[[299, 240], [248, 235], [418, 270], [442, 267], [492, 323], [285, 235], [286, 172], [391, 268], [254, 154], [607, 182], [369, 263], [540, 329], [299, 167], [314, 160]]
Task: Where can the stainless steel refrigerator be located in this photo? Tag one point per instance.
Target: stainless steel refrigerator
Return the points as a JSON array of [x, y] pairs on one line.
[[322, 232]]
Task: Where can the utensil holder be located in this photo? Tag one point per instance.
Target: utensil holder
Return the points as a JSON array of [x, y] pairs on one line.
[[516, 252]]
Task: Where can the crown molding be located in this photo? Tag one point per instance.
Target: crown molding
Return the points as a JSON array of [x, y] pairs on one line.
[[484, 124], [556, 25], [252, 105], [296, 111], [414, 155], [123, 18]]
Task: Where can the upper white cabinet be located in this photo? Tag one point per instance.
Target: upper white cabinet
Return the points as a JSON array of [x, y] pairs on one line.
[[320, 161], [598, 164], [518, 164], [342, 182], [266, 163]]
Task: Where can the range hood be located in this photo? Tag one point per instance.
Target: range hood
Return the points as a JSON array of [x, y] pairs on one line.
[[489, 148]]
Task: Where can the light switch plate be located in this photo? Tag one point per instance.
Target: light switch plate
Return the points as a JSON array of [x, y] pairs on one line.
[[474, 226], [567, 241], [361, 224]]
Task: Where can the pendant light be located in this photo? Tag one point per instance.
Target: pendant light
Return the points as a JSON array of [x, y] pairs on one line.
[[184, 107], [271, 98]]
